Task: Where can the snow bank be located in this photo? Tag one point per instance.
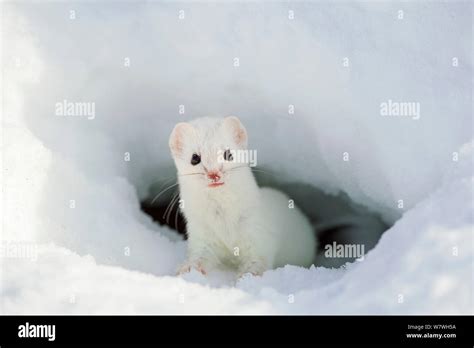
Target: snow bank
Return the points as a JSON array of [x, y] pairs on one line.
[[72, 184]]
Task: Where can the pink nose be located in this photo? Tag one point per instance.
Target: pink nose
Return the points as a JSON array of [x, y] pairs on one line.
[[214, 176]]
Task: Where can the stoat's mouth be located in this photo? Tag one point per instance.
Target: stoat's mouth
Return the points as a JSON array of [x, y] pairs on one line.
[[215, 184]]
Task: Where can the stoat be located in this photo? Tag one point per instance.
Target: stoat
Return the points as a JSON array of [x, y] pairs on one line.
[[230, 221]]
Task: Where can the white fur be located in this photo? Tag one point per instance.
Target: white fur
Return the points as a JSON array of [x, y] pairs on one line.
[[238, 224]]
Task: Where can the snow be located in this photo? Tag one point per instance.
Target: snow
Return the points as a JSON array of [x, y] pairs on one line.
[[69, 193]]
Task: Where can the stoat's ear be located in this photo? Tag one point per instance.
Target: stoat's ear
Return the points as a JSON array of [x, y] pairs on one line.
[[178, 137], [237, 129]]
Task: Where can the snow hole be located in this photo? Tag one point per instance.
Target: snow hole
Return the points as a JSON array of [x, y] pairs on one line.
[[337, 220]]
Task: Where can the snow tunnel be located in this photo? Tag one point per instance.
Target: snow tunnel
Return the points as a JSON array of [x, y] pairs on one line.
[[337, 220]]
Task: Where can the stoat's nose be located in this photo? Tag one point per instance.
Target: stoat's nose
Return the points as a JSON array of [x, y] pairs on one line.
[[214, 176]]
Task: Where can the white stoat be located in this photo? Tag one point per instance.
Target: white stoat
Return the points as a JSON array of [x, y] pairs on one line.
[[231, 222]]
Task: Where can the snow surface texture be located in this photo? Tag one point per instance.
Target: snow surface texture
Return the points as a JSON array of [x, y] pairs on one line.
[[72, 201]]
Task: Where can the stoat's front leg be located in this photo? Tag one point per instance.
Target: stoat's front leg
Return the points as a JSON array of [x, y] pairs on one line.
[[200, 257]]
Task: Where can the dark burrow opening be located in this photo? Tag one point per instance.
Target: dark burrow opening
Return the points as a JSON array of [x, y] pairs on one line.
[[345, 230]]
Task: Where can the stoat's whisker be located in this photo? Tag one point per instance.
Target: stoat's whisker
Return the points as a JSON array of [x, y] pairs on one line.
[[163, 191], [171, 210], [244, 166], [254, 170], [191, 174], [169, 204], [263, 171], [176, 218], [167, 181]]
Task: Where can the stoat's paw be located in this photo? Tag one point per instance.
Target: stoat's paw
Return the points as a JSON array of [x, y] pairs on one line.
[[253, 268], [184, 268], [245, 274], [187, 266]]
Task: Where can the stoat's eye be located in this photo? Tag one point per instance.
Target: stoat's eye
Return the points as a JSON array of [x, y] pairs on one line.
[[196, 159], [228, 155]]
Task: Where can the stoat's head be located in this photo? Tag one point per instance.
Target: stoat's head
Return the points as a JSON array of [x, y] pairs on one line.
[[204, 149]]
